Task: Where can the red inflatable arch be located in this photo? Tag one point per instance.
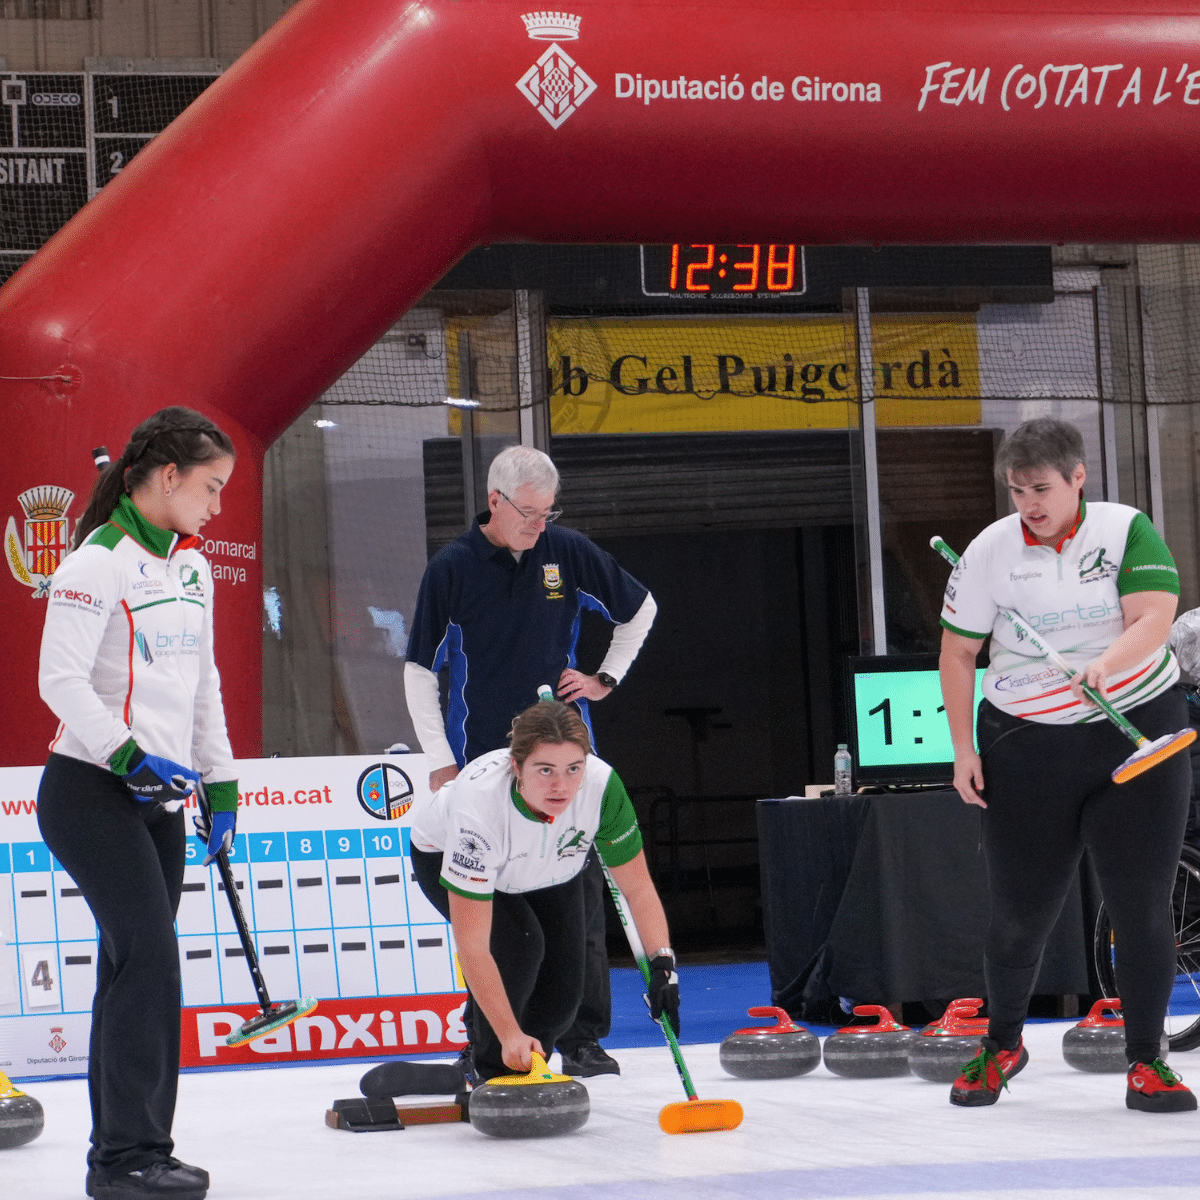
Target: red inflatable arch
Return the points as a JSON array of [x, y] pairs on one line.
[[263, 242]]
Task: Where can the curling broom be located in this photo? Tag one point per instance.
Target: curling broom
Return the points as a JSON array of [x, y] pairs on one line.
[[1148, 753], [694, 1115], [274, 1016]]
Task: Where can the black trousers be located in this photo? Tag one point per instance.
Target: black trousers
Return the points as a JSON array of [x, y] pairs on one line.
[[1050, 794], [593, 1020], [538, 944], [127, 858]]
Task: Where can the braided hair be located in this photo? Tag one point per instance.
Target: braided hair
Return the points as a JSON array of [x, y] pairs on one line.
[[172, 435]]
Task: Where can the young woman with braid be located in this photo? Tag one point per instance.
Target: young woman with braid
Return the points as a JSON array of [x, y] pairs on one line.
[[127, 667]]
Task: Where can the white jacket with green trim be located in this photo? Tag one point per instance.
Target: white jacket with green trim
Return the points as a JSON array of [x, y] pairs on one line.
[[127, 649]]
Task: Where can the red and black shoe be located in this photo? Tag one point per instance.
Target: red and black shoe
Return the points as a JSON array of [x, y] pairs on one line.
[[1154, 1087], [988, 1072]]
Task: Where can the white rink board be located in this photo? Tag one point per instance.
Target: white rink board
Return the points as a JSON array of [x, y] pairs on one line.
[[321, 860]]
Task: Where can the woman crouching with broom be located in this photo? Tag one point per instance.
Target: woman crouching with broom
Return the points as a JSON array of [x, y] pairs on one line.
[[499, 851]]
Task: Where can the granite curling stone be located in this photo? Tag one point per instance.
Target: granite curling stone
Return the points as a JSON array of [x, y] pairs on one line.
[[21, 1116], [1097, 1044], [776, 1051], [941, 1049], [869, 1051], [540, 1104]]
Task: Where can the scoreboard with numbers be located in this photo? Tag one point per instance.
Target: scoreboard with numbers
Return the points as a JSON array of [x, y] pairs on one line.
[[64, 136], [321, 863]]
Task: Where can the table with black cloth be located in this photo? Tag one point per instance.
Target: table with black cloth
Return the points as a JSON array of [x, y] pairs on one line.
[[883, 899]]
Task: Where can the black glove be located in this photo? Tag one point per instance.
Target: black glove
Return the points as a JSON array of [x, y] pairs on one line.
[[663, 994]]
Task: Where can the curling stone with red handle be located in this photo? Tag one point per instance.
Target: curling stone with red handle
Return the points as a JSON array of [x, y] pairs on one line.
[[941, 1049], [1097, 1043], [770, 1051], [869, 1051]]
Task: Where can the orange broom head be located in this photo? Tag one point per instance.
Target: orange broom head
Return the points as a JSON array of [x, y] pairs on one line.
[[1152, 753], [700, 1116]]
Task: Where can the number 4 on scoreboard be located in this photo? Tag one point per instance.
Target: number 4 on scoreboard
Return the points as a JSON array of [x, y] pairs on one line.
[[41, 981]]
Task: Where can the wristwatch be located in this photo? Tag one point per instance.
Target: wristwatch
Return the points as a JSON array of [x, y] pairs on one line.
[[606, 679]]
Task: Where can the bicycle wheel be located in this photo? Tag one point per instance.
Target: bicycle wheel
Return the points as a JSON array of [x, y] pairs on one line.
[[1183, 1011]]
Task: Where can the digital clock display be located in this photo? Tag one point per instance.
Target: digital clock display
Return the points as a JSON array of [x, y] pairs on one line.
[[748, 271], [900, 727]]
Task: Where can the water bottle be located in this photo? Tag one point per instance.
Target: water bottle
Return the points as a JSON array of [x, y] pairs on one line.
[[841, 770]]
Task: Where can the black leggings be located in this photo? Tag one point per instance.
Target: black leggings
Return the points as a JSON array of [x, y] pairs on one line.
[[127, 858], [538, 942], [1050, 794]]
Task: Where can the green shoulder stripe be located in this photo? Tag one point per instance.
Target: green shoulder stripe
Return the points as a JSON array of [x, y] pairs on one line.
[[1147, 564], [465, 895], [618, 840], [107, 536], [964, 632]]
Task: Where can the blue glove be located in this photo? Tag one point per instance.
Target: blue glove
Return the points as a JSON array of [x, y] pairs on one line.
[[154, 780], [217, 830], [218, 834]]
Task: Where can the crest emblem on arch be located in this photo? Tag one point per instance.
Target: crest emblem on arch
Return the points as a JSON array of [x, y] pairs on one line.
[[35, 558], [556, 85]]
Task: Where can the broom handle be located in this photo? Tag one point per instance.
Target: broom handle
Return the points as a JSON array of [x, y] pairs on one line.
[[235, 906], [639, 954], [1023, 631]]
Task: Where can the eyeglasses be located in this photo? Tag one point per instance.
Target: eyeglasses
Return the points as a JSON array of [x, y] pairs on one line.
[[549, 517]]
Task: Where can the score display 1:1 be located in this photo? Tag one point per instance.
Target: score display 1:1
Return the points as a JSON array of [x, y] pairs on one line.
[[748, 270]]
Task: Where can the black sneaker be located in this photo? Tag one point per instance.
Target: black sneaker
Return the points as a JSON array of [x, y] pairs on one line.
[[166, 1180], [466, 1064], [588, 1058]]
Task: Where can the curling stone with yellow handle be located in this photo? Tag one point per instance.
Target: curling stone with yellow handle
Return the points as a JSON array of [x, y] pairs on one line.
[[21, 1116], [540, 1104]]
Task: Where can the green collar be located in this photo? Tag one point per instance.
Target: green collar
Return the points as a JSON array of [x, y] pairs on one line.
[[524, 809], [128, 517]]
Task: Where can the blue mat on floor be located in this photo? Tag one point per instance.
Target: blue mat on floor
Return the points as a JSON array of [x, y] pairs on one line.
[[713, 1003]]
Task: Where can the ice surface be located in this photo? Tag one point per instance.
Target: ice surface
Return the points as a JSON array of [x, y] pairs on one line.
[[1055, 1133]]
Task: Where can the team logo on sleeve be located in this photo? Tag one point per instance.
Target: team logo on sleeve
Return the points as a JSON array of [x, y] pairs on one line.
[[467, 854], [385, 792], [46, 543]]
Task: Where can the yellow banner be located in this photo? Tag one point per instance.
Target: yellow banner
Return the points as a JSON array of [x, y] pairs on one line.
[[678, 376]]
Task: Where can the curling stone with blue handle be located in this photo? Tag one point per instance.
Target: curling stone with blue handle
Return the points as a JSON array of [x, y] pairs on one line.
[[21, 1116], [1097, 1043], [539, 1104], [942, 1048], [776, 1051], [869, 1051]]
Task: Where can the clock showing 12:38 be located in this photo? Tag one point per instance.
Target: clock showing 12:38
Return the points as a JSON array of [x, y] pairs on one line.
[[900, 717]]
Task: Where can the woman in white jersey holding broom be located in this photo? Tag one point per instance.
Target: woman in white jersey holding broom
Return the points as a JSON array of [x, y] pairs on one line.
[[499, 851], [127, 667], [1098, 584]]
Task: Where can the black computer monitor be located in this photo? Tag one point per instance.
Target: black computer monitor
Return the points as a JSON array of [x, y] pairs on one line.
[[898, 728]]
